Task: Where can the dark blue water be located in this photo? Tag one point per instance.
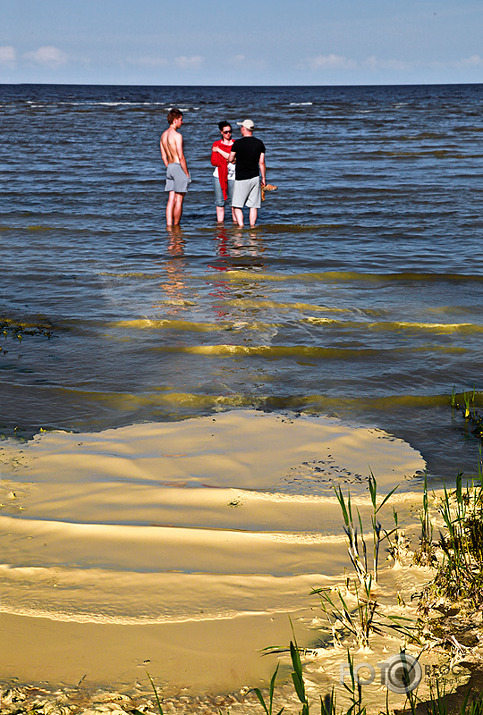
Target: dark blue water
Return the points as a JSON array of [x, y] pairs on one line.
[[359, 294]]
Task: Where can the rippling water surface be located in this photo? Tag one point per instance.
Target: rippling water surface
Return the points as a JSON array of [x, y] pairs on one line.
[[358, 295]]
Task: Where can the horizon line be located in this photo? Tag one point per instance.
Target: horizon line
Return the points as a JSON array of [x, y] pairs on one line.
[[244, 86]]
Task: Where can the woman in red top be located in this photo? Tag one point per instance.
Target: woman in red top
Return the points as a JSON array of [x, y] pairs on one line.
[[224, 173]]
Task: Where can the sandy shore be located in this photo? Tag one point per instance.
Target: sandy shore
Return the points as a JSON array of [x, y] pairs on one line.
[[181, 547]]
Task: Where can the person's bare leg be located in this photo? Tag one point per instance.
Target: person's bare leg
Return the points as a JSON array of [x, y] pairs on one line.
[[170, 209], [220, 214], [233, 215], [253, 216], [239, 217], [178, 208]]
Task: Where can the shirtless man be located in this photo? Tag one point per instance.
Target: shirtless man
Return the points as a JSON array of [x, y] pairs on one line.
[[177, 174]]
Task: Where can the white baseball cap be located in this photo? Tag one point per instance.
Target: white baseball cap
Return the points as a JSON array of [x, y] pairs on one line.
[[247, 123]]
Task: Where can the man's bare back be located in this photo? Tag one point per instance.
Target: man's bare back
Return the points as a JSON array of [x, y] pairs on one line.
[[172, 145], [171, 142]]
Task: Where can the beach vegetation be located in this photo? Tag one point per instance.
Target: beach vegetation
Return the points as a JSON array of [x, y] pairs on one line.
[[362, 620], [466, 403], [268, 708], [156, 696], [353, 612], [366, 566], [19, 329], [365, 617], [459, 575], [426, 554]]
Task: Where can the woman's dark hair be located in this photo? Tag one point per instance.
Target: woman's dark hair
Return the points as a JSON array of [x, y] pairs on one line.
[[223, 124]]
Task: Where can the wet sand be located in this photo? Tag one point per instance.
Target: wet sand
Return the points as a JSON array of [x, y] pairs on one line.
[[180, 547]]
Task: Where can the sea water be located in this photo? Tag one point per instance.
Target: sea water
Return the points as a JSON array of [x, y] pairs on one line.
[[359, 294], [358, 297]]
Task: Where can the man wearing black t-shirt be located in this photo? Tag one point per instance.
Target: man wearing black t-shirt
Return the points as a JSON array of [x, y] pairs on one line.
[[248, 153]]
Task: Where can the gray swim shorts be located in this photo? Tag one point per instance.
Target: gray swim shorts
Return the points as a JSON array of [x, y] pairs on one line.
[[247, 192], [176, 179]]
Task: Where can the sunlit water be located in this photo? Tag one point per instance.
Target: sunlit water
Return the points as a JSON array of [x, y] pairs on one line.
[[359, 295]]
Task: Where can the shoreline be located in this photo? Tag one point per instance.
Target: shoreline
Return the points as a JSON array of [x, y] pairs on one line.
[[208, 536], [190, 660]]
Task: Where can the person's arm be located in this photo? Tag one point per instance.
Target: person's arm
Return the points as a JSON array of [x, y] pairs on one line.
[[225, 154], [182, 160], [216, 156], [263, 168], [231, 157], [217, 159], [164, 156]]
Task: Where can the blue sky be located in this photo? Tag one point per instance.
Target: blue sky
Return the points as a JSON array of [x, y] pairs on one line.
[[255, 42]]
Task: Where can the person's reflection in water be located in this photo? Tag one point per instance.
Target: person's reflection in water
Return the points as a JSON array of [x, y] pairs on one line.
[[236, 299], [238, 249], [175, 285], [176, 241], [248, 248], [222, 237]]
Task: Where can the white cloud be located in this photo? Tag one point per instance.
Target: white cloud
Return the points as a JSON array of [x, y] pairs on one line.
[[8, 56], [250, 64], [375, 63], [189, 63], [327, 63], [330, 62], [47, 56], [473, 61], [147, 61]]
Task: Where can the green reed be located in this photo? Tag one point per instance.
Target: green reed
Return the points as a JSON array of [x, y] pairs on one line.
[[438, 704], [358, 622], [466, 403], [364, 552], [364, 619], [357, 546], [158, 701], [425, 555], [327, 702], [460, 575], [268, 708]]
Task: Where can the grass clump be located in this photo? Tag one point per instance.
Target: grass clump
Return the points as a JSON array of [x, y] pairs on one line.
[[459, 576], [364, 550], [364, 619], [366, 566], [426, 554], [466, 403]]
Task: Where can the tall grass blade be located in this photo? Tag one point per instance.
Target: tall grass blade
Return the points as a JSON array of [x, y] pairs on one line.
[[160, 709]]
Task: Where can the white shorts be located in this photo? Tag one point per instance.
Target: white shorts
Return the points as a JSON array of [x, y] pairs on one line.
[[247, 192]]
